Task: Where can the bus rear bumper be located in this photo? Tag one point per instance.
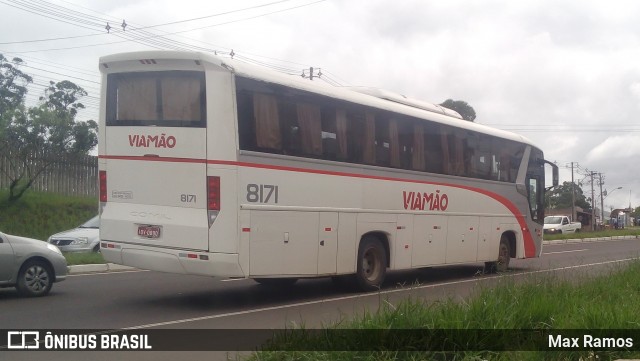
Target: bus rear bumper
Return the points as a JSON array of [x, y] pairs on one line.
[[173, 261]]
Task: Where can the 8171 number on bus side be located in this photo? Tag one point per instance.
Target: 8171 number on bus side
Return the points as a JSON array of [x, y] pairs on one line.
[[262, 193]]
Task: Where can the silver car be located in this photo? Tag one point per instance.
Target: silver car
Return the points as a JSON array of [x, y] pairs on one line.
[[85, 238], [30, 265]]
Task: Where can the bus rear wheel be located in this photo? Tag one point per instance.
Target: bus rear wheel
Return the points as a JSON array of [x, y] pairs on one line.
[[372, 264]]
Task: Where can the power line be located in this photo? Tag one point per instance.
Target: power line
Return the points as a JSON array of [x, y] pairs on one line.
[[66, 75], [219, 14], [146, 27], [55, 65], [160, 41], [51, 15], [149, 38]]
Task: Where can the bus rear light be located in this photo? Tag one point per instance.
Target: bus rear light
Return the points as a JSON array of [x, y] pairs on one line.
[[213, 193], [105, 245], [194, 256], [213, 198], [102, 184]]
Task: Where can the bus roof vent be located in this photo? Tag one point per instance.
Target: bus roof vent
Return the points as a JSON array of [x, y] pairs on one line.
[[399, 98]]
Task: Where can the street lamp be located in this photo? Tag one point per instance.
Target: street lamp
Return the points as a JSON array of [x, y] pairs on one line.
[[602, 201]]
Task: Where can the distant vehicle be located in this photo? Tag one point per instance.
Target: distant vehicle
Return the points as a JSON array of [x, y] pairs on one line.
[[30, 265], [560, 224], [85, 238]]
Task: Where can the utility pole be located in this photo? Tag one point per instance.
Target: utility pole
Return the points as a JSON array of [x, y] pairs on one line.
[[573, 197], [593, 207], [601, 201]]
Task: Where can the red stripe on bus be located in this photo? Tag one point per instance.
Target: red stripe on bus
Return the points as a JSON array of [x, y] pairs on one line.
[[529, 246], [153, 158]]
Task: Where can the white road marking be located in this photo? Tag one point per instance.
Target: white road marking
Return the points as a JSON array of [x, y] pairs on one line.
[[106, 273], [575, 250], [374, 294]]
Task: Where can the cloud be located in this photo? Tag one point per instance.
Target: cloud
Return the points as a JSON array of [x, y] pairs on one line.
[[621, 147]]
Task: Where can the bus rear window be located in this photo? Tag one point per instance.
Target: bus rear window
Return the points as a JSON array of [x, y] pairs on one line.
[[167, 98]]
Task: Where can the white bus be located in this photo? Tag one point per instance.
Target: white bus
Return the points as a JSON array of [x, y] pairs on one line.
[[210, 166]]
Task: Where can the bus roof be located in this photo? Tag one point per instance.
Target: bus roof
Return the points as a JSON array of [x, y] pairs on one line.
[[373, 97]]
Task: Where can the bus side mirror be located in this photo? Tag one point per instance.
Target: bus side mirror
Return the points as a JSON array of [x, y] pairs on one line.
[[555, 175]]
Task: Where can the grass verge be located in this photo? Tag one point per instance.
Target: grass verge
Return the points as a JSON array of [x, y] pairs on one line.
[[607, 303], [84, 258], [631, 231], [39, 215]]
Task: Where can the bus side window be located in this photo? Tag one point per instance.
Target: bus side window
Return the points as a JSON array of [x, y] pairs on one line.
[[510, 158], [334, 134], [382, 141], [369, 139], [394, 143], [404, 143], [291, 134], [446, 151], [457, 153], [329, 134], [267, 122], [434, 153], [341, 135], [480, 163], [418, 150], [357, 137], [310, 123], [246, 121]]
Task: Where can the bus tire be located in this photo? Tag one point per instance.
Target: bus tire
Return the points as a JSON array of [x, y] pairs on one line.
[[504, 256], [372, 264], [276, 282]]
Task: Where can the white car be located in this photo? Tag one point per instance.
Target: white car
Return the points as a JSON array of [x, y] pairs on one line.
[[30, 265], [85, 238]]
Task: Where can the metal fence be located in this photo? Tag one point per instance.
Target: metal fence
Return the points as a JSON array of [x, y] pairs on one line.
[[68, 175]]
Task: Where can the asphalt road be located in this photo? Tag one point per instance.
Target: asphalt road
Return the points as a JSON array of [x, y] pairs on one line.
[[146, 300]]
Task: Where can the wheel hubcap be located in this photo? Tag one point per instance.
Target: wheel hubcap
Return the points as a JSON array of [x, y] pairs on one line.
[[504, 254], [369, 264], [36, 278]]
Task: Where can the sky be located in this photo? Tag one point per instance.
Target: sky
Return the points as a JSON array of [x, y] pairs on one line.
[[563, 73]]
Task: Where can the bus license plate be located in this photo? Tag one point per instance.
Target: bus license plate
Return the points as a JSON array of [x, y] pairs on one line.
[[147, 231]]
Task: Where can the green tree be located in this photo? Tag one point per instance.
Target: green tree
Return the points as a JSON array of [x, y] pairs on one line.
[[560, 197], [45, 133], [63, 97], [13, 89], [636, 213], [463, 108]]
